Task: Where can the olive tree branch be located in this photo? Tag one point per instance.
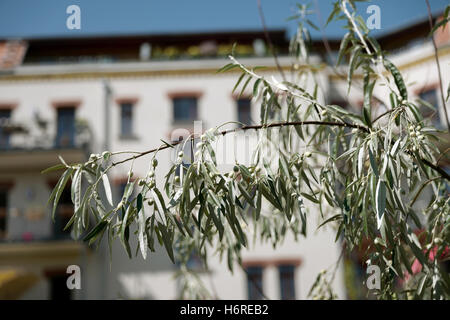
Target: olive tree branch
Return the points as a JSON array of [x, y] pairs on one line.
[[269, 41], [436, 56], [366, 47], [438, 169], [255, 127]]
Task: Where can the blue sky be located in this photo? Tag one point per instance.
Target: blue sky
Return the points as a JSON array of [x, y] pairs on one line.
[[47, 18]]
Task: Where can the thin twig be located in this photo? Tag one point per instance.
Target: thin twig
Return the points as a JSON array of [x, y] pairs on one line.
[[255, 127], [442, 155], [420, 190], [441, 171], [330, 55], [374, 61], [341, 255], [269, 41], [436, 56], [383, 114], [438, 169]]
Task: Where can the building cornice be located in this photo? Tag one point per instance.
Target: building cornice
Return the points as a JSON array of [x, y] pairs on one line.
[[133, 69], [403, 66]]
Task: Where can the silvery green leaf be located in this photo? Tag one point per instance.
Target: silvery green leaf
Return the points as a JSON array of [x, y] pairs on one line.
[[58, 190], [380, 202], [107, 188], [361, 158], [76, 189], [176, 199], [142, 234], [373, 163]]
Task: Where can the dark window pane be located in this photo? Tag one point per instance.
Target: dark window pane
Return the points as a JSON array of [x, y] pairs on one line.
[[65, 133], [254, 283], [64, 212], [244, 111], [3, 212], [58, 287], [287, 282], [185, 109], [5, 115], [126, 119]]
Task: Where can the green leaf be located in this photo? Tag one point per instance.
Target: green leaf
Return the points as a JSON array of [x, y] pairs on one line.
[[96, 231], [246, 195], [245, 86], [421, 285], [258, 204], [142, 234], [256, 86], [107, 188], [309, 197], [353, 63], [167, 238], [344, 43], [362, 24], [227, 67], [397, 78], [312, 25], [441, 23], [373, 163], [128, 191], [239, 81], [76, 189], [159, 200], [333, 218], [333, 13], [124, 232], [361, 160], [167, 144], [380, 202], [302, 212], [54, 168], [368, 89], [59, 188]]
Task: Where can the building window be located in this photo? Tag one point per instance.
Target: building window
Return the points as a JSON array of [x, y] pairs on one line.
[[184, 109], [126, 119], [3, 213], [255, 282], [64, 212], [65, 132], [287, 281], [244, 111], [5, 115], [431, 97]]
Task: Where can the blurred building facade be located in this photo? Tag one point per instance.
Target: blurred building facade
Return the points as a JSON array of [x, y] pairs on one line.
[[76, 96]]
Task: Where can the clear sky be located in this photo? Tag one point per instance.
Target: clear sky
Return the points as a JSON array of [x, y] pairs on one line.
[[47, 18]]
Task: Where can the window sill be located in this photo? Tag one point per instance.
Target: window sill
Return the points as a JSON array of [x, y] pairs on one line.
[[128, 137], [185, 122]]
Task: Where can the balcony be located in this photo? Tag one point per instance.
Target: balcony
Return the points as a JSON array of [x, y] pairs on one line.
[[29, 148], [39, 253], [26, 148]]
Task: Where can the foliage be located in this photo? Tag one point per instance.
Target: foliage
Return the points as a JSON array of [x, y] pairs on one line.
[[363, 173]]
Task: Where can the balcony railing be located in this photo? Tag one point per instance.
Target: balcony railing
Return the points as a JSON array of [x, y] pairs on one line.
[[18, 136]]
